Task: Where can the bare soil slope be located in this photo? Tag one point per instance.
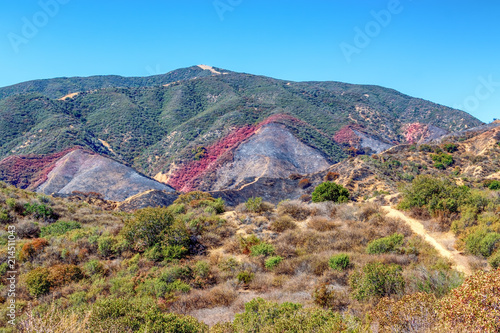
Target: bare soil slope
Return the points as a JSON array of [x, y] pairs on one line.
[[272, 152], [83, 171]]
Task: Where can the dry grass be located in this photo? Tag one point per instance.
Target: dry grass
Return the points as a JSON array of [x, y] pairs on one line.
[[282, 223], [295, 208], [53, 321], [222, 295], [321, 223]]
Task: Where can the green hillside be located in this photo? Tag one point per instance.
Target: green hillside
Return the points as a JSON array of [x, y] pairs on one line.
[[149, 127]]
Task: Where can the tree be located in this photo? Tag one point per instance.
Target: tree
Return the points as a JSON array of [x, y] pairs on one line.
[[330, 191]]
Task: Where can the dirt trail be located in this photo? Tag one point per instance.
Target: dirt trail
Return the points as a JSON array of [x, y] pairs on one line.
[[261, 175], [460, 261]]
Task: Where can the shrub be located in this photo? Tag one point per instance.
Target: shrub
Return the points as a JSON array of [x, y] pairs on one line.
[[173, 273], [473, 306], [254, 205], [272, 262], [32, 249], [59, 228], [481, 242], [137, 315], [385, 244], [94, 267], [283, 223], [148, 227], [443, 160], [202, 269], [39, 211], [376, 280], [27, 229], [264, 316], [37, 281], [450, 147], [425, 148], [434, 194], [339, 262], [264, 249], [295, 208], [327, 296], [494, 185], [11, 203], [246, 243], [494, 260], [60, 275], [330, 191], [321, 223], [173, 252], [245, 277], [331, 176], [4, 216], [105, 245], [413, 313], [304, 183]]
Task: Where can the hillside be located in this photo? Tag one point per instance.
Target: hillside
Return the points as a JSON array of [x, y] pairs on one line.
[[61, 87], [195, 267], [76, 170], [188, 132]]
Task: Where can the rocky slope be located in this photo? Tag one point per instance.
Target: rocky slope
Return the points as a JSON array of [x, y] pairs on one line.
[[77, 170]]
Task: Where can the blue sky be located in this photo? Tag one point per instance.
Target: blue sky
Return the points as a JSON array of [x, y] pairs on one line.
[[446, 51]]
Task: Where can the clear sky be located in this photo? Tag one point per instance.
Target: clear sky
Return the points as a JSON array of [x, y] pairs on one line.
[[444, 51]]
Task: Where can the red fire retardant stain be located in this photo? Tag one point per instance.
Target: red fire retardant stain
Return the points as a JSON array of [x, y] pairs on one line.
[[346, 136], [414, 131], [185, 179], [29, 171]]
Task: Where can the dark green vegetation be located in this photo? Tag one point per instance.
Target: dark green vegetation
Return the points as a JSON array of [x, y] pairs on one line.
[[472, 214], [140, 118], [330, 191]]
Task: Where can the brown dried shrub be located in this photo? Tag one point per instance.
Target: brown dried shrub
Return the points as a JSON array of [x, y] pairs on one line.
[[295, 208], [331, 176], [321, 223], [282, 223], [304, 183]]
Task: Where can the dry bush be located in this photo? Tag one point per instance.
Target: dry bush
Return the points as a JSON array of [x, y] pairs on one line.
[[295, 208], [222, 295], [305, 198], [347, 212], [54, 321], [232, 245], [367, 210], [285, 250], [398, 259], [27, 229], [282, 223], [413, 313], [331, 297], [319, 264], [298, 283], [295, 176], [335, 277], [476, 264], [331, 176], [262, 282], [326, 208], [304, 183], [321, 223], [420, 213], [308, 241]]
